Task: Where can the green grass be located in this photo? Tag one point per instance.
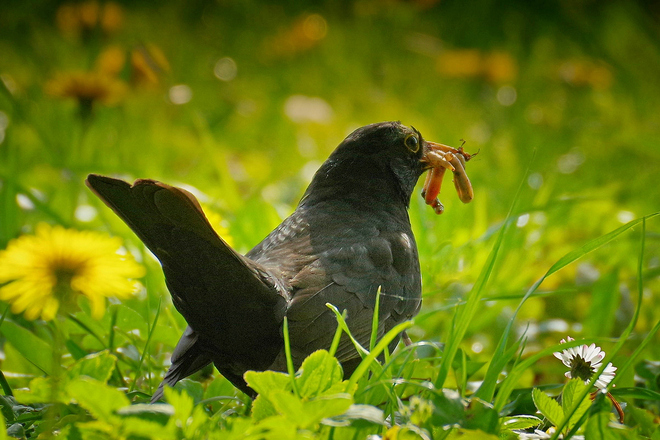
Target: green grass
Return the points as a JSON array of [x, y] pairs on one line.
[[561, 238]]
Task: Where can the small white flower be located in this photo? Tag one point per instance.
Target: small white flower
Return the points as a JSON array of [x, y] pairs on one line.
[[583, 361]]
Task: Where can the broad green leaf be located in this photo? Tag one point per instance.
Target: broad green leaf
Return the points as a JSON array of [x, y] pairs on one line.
[[98, 398], [98, 366], [305, 414], [481, 415], [368, 413], [192, 388], [264, 382], [548, 406], [597, 428], [272, 428], [288, 405], [262, 408], [159, 413], [39, 391], [520, 422], [449, 408], [569, 396], [319, 372], [33, 348]]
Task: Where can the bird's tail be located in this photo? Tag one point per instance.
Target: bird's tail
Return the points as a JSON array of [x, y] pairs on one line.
[[233, 304]]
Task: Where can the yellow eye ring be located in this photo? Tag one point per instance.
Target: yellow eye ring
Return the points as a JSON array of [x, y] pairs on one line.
[[412, 142]]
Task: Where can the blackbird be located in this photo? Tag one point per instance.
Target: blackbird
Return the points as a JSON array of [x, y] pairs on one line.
[[349, 236]]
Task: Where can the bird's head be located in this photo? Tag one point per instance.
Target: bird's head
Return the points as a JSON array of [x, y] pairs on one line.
[[377, 162]]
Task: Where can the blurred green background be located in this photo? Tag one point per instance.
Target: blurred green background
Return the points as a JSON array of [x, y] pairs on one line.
[[240, 101]]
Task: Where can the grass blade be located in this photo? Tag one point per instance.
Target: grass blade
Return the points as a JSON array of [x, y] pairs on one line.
[[146, 346], [464, 315]]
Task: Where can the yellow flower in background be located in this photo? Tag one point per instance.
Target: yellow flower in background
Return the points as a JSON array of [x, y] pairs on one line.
[[496, 67], [48, 271], [462, 63], [148, 64], [304, 33], [218, 224], [83, 18], [87, 87], [111, 60]]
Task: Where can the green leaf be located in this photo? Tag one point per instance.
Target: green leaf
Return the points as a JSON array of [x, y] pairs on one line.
[[320, 371], [481, 415], [264, 382], [449, 408], [192, 388], [96, 397], [98, 366], [160, 413], [368, 413], [39, 391], [548, 406], [597, 428], [569, 400], [636, 393], [520, 422], [181, 401], [305, 414], [34, 349]]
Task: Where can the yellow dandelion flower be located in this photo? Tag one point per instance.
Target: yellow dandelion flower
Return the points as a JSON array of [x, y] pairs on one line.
[[463, 63], [111, 60], [48, 271], [112, 17], [148, 63], [218, 224], [87, 88], [84, 18]]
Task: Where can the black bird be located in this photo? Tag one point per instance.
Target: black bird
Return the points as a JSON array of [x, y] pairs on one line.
[[349, 235]]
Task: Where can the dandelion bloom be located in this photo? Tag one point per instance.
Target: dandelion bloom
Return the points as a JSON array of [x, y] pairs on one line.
[[87, 88], [585, 360], [49, 270]]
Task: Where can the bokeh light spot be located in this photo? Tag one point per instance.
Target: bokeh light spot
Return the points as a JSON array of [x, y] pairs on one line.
[[507, 95], [180, 94], [225, 69]]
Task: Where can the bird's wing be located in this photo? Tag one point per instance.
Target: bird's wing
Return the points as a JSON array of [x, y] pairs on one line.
[[188, 357], [234, 305], [349, 278]]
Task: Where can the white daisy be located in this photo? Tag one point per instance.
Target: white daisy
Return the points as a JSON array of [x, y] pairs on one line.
[[583, 361]]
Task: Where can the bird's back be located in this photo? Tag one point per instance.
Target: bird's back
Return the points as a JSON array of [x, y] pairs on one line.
[[331, 252]]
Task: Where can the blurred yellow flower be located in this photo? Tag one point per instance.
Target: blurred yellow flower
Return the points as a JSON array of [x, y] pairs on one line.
[[111, 60], [218, 224], [87, 88], [148, 63], [464, 63], [584, 72], [496, 67], [48, 271], [83, 18], [500, 67], [305, 33]]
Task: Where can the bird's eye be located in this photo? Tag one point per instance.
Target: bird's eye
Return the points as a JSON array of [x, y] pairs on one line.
[[412, 143]]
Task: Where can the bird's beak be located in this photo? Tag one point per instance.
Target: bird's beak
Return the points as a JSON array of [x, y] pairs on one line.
[[437, 158]]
